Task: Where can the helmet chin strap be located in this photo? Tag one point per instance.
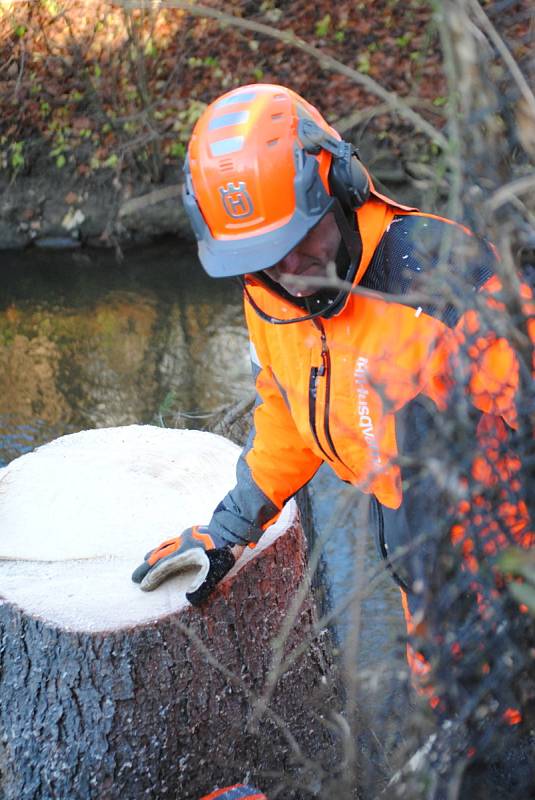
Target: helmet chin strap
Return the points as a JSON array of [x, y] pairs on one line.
[[350, 244], [275, 320]]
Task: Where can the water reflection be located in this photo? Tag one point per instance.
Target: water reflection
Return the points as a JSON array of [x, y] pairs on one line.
[[85, 342]]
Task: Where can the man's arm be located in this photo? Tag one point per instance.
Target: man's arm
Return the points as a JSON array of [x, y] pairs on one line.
[[274, 464]]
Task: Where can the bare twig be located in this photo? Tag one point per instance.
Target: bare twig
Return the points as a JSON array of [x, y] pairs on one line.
[[138, 62], [278, 661], [21, 69], [313, 767], [393, 101], [350, 121], [234, 413], [503, 50], [510, 191], [136, 204]]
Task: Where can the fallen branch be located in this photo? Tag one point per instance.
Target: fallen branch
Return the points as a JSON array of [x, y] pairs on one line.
[[150, 199]]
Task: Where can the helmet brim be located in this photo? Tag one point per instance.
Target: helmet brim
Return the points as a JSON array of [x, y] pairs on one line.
[[226, 259], [242, 254]]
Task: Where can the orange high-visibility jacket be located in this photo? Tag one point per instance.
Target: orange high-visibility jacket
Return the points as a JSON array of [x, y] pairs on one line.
[[330, 388]]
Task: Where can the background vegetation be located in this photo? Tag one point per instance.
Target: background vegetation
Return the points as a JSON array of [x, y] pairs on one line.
[[109, 92], [117, 86]]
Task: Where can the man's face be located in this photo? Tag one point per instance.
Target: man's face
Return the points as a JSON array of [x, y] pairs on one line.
[[308, 259]]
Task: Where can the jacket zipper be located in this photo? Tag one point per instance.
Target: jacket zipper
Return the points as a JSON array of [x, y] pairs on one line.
[[315, 373]]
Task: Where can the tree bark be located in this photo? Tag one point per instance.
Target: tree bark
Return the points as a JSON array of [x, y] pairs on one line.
[[161, 709]]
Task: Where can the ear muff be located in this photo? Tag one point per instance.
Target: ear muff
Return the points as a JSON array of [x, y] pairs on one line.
[[348, 180]]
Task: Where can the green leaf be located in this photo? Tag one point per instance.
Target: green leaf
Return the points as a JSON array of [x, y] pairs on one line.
[[151, 49], [61, 161], [403, 41], [518, 562], [525, 594], [167, 403], [52, 7], [322, 27], [17, 157], [177, 150], [363, 64], [111, 161]]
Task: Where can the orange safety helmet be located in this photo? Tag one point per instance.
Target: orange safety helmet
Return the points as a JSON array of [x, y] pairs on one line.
[[263, 168]]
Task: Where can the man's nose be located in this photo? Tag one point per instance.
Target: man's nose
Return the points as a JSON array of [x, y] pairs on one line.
[[290, 262]]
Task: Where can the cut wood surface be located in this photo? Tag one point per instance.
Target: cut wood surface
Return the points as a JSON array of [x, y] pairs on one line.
[[107, 691], [78, 515]]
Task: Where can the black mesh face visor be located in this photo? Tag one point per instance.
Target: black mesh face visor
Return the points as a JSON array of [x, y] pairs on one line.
[[331, 296], [225, 258]]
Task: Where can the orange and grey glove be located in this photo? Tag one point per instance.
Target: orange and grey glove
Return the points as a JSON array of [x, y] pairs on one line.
[[195, 546]]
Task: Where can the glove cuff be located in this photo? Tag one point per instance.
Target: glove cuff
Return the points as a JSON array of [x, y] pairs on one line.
[[221, 561]]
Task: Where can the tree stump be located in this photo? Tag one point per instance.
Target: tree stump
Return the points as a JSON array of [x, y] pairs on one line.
[[107, 691]]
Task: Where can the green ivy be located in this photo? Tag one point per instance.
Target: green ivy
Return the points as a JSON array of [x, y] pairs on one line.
[[111, 161], [17, 156], [403, 41], [363, 64], [177, 150], [322, 27]]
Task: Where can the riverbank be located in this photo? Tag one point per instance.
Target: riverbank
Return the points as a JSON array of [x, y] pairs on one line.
[[100, 100], [63, 210]]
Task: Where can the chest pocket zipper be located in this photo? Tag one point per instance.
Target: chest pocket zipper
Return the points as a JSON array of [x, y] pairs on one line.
[[315, 373], [324, 371]]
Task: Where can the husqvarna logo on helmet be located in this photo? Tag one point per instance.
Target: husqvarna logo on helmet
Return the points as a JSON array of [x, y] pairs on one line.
[[236, 200]]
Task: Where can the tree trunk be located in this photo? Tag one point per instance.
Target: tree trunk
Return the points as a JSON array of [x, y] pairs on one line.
[[95, 707]]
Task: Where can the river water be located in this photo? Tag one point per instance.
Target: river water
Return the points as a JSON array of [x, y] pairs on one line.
[[87, 341]]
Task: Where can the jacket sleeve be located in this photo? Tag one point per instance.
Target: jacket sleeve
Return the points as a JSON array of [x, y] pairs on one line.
[[274, 464]]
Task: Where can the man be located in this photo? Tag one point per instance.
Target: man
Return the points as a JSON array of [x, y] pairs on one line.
[[369, 331]]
